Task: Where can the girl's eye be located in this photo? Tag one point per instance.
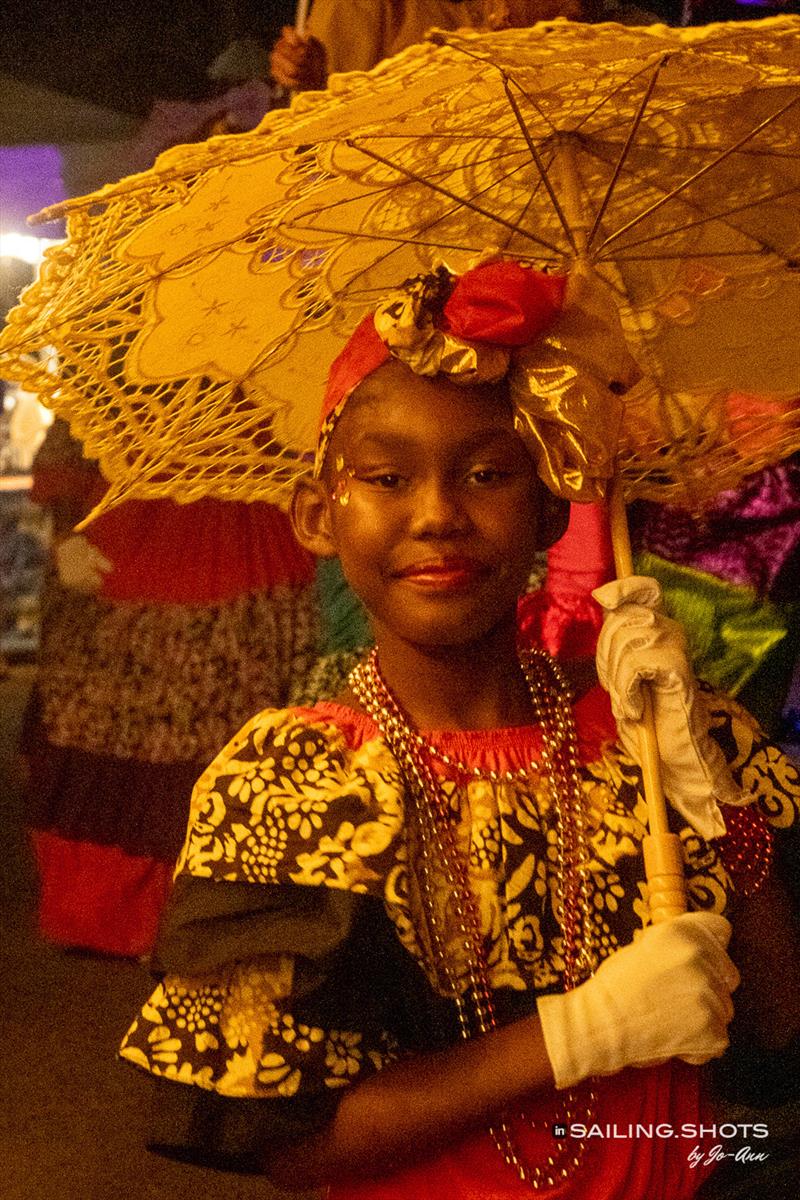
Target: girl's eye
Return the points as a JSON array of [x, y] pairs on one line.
[[386, 480], [487, 475]]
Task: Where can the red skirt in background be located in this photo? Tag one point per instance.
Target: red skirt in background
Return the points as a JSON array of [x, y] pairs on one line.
[[207, 616]]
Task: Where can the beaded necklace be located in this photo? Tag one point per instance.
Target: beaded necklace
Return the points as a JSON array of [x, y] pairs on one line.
[[433, 846], [518, 775]]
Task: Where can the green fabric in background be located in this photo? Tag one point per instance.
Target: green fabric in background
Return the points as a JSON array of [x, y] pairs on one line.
[[730, 628]]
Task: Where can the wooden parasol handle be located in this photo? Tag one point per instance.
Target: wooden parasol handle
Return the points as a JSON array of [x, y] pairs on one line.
[[301, 16], [663, 853]]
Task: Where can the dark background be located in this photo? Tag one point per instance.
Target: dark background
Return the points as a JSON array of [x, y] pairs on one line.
[[123, 53]]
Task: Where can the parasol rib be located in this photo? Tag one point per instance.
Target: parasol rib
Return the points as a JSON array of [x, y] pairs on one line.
[[611, 95], [439, 39], [482, 212], [699, 174], [689, 255], [540, 167], [523, 215], [764, 247], [634, 129], [508, 80], [717, 216], [379, 192]]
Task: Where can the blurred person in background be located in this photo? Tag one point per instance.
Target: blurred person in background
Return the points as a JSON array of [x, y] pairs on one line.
[[355, 35], [162, 626], [358, 34]]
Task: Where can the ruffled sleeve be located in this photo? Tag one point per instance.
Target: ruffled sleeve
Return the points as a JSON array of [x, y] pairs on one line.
[[277, 959], [770, 783], [299, 1020], [769, 779], [268, 1040], [288, 801]]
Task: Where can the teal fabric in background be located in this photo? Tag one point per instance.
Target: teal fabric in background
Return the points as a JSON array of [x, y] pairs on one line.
[[344, 621]]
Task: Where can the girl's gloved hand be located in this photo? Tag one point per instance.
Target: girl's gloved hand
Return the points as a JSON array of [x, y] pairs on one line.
[[80, 565], [667, 995], [639, 643]]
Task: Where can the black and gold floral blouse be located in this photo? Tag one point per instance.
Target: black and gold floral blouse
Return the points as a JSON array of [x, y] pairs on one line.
[[293, 956]]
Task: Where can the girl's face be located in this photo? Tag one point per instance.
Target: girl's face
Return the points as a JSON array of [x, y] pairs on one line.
[[433, 506]]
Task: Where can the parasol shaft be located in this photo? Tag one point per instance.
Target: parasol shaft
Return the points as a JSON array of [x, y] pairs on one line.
[[663, 853], [301, 16]]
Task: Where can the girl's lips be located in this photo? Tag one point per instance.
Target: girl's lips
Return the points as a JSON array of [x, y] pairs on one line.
[[445, 575]]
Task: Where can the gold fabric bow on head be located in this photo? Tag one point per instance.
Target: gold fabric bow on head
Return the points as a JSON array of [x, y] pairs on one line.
[[566, 383], [407, 323], [567, 391]]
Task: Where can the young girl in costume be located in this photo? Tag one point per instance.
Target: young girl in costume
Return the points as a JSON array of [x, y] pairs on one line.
[[401, 956]]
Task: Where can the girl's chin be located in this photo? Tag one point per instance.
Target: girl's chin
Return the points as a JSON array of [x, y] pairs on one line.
[[440, 635]]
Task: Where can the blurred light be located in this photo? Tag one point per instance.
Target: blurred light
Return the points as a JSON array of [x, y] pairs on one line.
[[25, 247]]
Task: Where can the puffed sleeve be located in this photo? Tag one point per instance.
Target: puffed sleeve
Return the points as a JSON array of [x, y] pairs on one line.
[[770, 792], [267, 1040], [276, 957]]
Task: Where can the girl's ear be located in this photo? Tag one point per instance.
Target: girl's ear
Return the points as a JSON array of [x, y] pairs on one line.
[[310, 516], [553, 519]]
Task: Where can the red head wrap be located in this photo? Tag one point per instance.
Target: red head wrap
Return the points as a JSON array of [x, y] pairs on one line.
[[501, 304]]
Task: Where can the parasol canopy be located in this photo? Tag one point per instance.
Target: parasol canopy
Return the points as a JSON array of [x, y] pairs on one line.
[[195, 308]]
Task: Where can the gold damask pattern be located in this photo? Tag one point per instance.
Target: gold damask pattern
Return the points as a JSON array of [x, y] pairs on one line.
[[288, 802], [231, 1035]]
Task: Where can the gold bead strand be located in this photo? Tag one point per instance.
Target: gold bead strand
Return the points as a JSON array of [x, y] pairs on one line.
[[432, 824]]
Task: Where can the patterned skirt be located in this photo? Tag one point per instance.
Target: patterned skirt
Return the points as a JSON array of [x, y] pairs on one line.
[[133, 700]]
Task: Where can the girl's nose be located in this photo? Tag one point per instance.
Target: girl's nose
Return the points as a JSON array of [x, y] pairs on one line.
[[438, 511]]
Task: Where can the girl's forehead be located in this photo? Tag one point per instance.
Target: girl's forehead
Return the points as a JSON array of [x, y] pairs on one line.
[[394, 398]]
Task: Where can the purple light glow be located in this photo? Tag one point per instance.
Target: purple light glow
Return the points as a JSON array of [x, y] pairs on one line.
[[30, 179]]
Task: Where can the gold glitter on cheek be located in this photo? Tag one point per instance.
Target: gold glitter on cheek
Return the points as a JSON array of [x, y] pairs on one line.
[[341, 489]]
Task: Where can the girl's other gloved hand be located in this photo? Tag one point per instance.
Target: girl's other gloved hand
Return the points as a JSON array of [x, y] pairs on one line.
[[639, 643], [667, 995], [299, 63], [80, 565]]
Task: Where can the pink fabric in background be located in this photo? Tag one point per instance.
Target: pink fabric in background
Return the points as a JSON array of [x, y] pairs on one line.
[[562, 617]]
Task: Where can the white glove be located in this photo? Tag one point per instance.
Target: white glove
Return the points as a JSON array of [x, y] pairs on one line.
[[667, 995], [80, 565], [637, 643]]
